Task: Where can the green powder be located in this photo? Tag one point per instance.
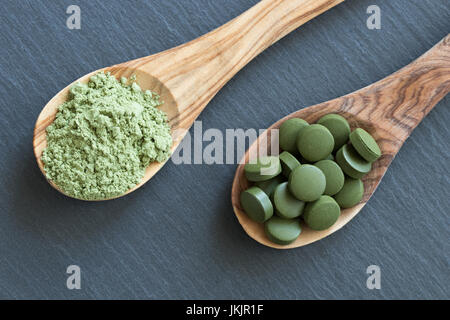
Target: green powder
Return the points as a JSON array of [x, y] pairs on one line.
[[104, 137]]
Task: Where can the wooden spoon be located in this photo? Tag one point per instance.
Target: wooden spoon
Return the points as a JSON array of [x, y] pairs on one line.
[[187, 77], [389, 109]]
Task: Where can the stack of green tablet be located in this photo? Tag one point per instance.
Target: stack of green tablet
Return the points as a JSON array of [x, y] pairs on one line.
[[317, 173]]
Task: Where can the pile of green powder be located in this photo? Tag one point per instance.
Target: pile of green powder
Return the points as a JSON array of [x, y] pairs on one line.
[[104, 137]]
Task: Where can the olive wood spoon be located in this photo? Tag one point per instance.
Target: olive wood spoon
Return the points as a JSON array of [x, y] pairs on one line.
[[389, 109], [188, 77]]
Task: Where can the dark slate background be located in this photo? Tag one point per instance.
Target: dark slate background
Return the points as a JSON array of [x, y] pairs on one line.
[[177, 237]]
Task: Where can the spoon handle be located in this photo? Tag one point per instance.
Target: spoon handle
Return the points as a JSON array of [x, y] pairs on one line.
[[399, 102], [196, 71]]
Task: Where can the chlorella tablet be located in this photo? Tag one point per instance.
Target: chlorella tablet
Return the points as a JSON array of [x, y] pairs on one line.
[[269, 186], [351, 193], [307, 182], [338, 127], [288, 133], [315, 142], [256, 204], [265, 168], [286, 205], [282, 231], [365, 144], [333, 175], [288, 163], [351, 162], [322, 213]]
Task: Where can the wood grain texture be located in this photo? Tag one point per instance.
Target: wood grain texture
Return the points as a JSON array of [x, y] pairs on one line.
[[389, 109], [189, 76]]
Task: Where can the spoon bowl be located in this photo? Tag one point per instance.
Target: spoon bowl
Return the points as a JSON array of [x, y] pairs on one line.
[[188, 77], [389, 110], [311, 115], [146, 81]]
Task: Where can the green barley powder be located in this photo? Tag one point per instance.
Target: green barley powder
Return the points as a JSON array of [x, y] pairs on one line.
[[104, 137]]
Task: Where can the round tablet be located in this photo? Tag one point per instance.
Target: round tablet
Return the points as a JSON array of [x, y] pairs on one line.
[[264, 169], [282, 231], [330, 157], [339, 128], [256, 204], [288, 163], [286, 205], [350, 194], [315, 142], [351, 162], [365, 145], [321, 214], [307, 182], [288, 133], [269, 186], [333, 175]]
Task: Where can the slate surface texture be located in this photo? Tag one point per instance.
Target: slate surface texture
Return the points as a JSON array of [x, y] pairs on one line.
[[177, 237]]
